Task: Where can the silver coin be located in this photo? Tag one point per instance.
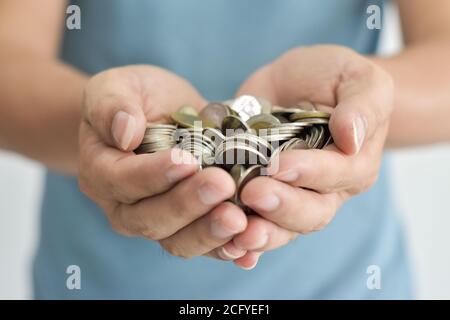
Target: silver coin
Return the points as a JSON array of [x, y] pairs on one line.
[[266, 105], [246, 106], [241, 135], [233, 154]]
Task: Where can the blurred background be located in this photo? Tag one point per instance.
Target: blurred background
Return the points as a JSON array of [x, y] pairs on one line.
[[421, 182]]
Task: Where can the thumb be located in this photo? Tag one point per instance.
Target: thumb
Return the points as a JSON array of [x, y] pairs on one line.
[[116, 114], [348, 126], [357, 119], [127, 128], [260, 84], [364, 107]]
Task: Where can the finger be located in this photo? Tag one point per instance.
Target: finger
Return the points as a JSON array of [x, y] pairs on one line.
[[113, 106], [159, 217], [327, 170], [115, 101], [249, 260], [364, 106], [213, 254], [229, 251], [262, 235], [324, 171], [208, 232], [126, 177], [259, 85], [295, 209], [361, 92]]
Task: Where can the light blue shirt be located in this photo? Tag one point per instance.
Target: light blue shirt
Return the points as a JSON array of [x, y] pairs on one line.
[[216, 44]]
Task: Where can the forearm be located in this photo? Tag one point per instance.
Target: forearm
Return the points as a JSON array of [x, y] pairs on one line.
[[40, 104], [422, 93]]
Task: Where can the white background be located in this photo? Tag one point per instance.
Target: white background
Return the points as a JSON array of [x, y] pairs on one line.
[[421, 180]]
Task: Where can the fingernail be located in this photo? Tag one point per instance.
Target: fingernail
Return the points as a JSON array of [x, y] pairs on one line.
[[176, 173], [359, 131], [209, 195], [219, 231], [251, 267], [123, 129], [287, 176], [226, 255], [268, 203]]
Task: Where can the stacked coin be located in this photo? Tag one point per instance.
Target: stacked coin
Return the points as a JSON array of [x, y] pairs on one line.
[[241, 136]]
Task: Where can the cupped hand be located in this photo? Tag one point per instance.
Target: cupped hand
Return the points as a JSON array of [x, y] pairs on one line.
[[160, 196], [306, 187]]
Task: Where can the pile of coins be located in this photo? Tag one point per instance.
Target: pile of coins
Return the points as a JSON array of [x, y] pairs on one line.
[[240, 135]]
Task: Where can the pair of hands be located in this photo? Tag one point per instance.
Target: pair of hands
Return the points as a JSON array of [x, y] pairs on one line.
[[184, 209]]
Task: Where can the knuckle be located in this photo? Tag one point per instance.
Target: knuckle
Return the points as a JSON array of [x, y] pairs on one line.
[[204, 242], [307, 230], [135, 222], [341, 182], [326, 219], [83, 185], [174, 249], [370, 181], [118, 228], [150, 229], [85, 161], [114, 217], [152, 233], [320, 226], [112, 178], [327, 214]]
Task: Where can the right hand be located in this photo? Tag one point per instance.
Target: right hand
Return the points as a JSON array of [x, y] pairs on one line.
[[149, 195]]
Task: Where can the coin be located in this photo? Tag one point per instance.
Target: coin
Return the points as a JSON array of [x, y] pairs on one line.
[[297, 144], [185, 120], [308, 115], [214, 135], [278, 110], [262, 121], [306, 105], [188, 110], [241, 135], [246, 107], [248, 175], [233, 124], [266, 105], [189, 121], [236, 172], [238, 153], [214, 113]]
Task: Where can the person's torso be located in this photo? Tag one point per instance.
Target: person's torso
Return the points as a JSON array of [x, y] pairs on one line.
[[215, 45]]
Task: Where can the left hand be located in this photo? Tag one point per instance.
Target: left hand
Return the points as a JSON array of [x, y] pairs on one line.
[[309, 186]]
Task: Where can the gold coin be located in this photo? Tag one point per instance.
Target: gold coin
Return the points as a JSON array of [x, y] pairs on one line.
[[189, 121], [263, 121], [188, 110], [309, 115], [233, 123]]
